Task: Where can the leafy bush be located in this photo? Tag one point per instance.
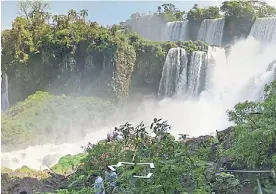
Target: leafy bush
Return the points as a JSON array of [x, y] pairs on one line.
[[176, 170], [239, 18], [68, 163], [226, 183], [170, 13], [199, 14], [255, 130]]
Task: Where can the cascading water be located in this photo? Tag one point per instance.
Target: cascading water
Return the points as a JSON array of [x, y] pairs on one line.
[[241, 76], [176, 31], [196, 75], [211, 31], [264, 29], [4, 92], [246, 71], [231, 79], [174, 74], [182, 77]]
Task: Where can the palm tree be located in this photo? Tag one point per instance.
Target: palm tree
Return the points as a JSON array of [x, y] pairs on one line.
[[72, 15], [84, 13]]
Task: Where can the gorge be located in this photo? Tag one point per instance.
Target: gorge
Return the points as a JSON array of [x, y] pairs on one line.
[[189, 72], [206, 79]]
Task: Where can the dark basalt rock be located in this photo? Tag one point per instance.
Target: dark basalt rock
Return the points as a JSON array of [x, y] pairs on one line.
[[226, 137], [202, 141]]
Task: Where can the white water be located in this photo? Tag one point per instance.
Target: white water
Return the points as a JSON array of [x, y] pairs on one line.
[[264, 29], [174, 74], [211, 31], [241, 76], [4, 92], [176, 31], [37, 157], [181, 78], [196, 75]]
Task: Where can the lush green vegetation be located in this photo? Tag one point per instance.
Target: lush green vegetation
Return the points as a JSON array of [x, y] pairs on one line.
[[255, 144], [185, 165], [68, 163], [46, 118], [170, 13], [76, 57], [148, 69], [190, 165], [199, 14], [65, 54], [69, 56], [176, 170], [239, 17]]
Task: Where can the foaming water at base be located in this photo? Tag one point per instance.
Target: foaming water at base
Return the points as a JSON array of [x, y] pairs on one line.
[[41, 156], [238, 77]]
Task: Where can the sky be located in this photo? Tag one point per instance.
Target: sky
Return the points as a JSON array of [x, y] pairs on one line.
[[103, 12]]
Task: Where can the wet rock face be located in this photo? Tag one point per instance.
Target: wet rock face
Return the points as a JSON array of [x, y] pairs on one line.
[[200, 144], [202, 141], [226, 137]]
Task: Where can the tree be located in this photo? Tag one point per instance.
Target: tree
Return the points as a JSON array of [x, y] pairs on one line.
[[114, 29], [84, 13], [239, 18], [198, 14], [159, 8], [24, 9], [33, 11], [238, 9], [72, 15], [266, 11], [255, 131], [169, 8]]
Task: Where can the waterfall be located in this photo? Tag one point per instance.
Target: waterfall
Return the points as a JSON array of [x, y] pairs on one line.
[[4, 92], [180, 79], [196, 75], [176, 31], [149, 27], [174, 74], [211, 31], [229, 80], [154, 28], [264, 29]]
